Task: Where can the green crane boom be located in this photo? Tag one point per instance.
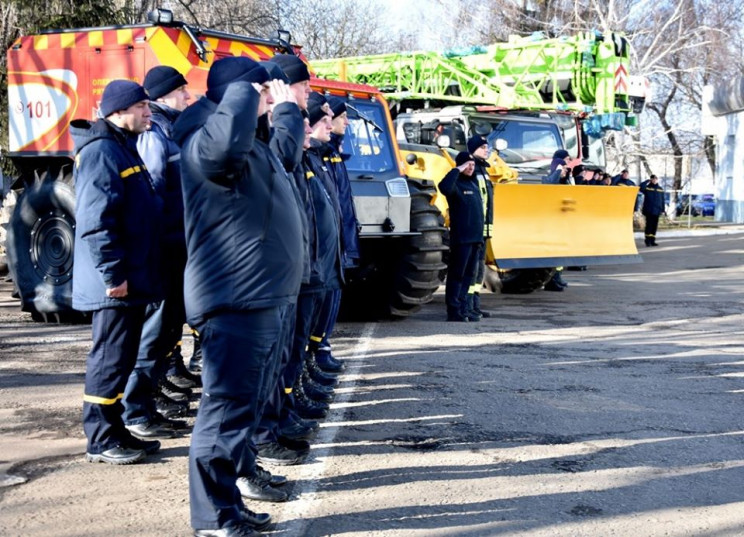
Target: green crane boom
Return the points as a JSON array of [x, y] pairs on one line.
[[586, 73]]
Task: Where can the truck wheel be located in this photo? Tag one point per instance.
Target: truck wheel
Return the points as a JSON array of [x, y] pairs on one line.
[[418, 276], [398, 275], [516, 281], [40, 242]]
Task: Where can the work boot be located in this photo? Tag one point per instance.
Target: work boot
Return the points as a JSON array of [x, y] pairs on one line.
[[236, 529], [470, 312], [150, 447], [318, 375], [149, 430], [553, 286], [455, 317], [179, 375], [328, 363], [168, 423], [259, 521], [306, 407], [195, 362], [268, 478], [117, 455], [315, 391], [278, 455], [255, 489], [170, 408], [174, 392], [308, 423], [558, 279], [295, 431], [476, 307]]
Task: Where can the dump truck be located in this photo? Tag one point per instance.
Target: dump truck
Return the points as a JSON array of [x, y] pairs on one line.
[[529, 97], [57, 76]]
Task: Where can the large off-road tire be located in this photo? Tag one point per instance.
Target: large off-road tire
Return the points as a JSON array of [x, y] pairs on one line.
[[517, 281], [40, 244], [418, 275], [398, 275]]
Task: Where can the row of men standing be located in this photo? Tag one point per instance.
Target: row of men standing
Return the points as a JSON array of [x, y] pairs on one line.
[[269, 230]]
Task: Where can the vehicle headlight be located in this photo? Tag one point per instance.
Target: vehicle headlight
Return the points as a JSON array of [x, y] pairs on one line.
[[397, 188]]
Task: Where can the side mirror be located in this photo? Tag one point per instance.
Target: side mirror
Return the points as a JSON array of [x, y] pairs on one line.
[[411, 159], [443, 140], [500, 144]]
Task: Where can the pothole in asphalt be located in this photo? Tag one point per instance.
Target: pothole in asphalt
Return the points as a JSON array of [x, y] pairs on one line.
[[585, 510], [416, 443]]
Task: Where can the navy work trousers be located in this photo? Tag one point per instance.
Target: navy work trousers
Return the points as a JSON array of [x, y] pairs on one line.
[[162, 330], [116, 336], [462, 266], [239, 349], [326, 322], [480, 267], [268, 425]]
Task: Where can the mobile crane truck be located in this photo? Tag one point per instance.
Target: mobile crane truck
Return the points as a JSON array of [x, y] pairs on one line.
[[56, 76], [529, 97]]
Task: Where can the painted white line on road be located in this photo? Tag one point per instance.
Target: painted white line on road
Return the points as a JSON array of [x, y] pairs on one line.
[[312, 472]]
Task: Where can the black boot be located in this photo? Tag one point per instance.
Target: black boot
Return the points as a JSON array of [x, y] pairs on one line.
[[476, 307], [306, 407], [195, 362], [315, 391], [318, 375], [178, 374], [553, 284], [472, 315]]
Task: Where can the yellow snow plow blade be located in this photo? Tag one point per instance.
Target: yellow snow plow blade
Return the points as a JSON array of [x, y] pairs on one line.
[[538, 226], [562, 225]]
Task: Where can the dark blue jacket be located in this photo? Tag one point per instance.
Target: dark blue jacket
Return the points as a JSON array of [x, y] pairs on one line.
[[465, 207], [653, 198], [243, 227], [162, 157], [349, 222], [118, 219], [619, 181], [327, 215], [481, 169], [287, 138]]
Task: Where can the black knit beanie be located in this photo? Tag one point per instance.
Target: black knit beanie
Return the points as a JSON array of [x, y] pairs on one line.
[[161, 80], [233, 69], [295, 69], [120, 95]]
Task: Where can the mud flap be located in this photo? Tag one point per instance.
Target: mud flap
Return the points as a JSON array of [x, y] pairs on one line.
[[562, 225]]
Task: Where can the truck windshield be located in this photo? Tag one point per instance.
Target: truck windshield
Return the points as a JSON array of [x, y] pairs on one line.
[[529, 143], [368, 139]]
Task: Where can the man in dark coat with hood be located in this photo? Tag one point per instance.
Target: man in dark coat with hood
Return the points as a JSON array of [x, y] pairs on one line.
[[116, 270], [242, 229]]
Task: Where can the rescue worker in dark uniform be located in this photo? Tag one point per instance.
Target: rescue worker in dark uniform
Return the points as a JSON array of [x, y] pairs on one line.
[[329, 237], [116, 271], [466, 233], [164, 320], [653, 207], [478, 148], [622, 179], [323, 256], [321, 350], [242, 227], [560, 174], [287, 138]]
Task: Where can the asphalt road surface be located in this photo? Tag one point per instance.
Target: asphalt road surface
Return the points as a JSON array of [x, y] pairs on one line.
[[613, 408]]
